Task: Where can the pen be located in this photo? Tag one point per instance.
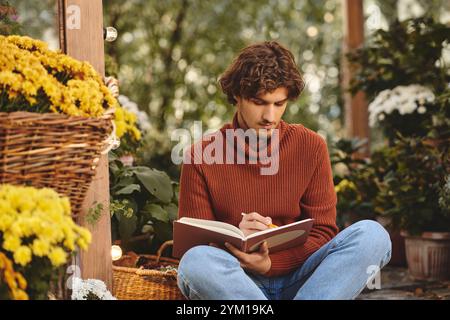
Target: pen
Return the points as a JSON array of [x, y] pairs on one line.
[[271, 225]]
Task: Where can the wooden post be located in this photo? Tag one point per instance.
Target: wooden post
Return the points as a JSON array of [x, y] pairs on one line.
[[81, 36], [356, 113]]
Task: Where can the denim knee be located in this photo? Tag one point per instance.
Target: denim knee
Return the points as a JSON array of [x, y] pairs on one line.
[[193, 260], [374, 238], [203, 260]]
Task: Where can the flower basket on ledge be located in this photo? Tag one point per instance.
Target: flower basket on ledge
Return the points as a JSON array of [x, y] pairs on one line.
[[52, 150]]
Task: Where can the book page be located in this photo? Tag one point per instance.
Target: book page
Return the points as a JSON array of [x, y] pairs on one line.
[[273, 229], [278, 239], [218, 226]]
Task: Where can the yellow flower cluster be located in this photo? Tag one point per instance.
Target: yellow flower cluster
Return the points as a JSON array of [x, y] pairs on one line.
[[126, 122], [346, 186], [14, 280], [37, 222], [42, 80]]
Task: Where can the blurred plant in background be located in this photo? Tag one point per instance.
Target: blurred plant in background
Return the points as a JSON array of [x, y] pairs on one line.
[[404, 109], [354, 180], [144, 203], [8, 19], [402, 70], [444, 195], [412, 186], [171, 57]]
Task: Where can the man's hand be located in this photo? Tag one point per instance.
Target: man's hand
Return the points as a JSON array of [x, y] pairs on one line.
[[256, 262], [253, 222]]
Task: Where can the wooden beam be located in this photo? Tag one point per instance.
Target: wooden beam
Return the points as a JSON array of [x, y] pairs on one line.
[[356, 113], [81, 32]]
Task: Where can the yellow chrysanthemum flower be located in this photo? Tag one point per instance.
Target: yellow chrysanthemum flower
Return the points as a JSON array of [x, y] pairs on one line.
[[22, 255], [42, 217], [57, 257], [15, 281], [42, 76], [41, 247], [11, 243]]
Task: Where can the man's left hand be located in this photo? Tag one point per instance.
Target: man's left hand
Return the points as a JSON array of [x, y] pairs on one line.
[[257, 262]]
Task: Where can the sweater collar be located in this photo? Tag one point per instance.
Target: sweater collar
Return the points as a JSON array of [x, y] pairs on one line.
[[282, 126], [254, 152]]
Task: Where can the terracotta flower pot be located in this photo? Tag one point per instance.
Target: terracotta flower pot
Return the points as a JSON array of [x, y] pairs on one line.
[[428, 255]]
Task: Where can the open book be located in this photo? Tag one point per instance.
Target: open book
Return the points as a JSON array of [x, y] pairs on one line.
[[190, 232]]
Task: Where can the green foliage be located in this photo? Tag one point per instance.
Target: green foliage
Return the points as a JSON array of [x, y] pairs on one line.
[[413, 173], [171, 53], [354, 180], [128, 145], [40, 276], [410, 52], [444, 195], [94, 214], [440, 127], [8, 19], [143, 202]]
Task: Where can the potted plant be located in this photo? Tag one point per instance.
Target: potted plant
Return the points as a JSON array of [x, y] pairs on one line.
[[56, 118], [355, 186], [405, 76], [413, 193], [37, 238]]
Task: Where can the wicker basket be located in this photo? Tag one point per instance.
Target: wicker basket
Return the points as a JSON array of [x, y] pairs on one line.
[[52, 150], [143, 284]]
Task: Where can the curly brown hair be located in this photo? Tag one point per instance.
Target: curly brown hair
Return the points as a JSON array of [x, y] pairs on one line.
[[260, 68]]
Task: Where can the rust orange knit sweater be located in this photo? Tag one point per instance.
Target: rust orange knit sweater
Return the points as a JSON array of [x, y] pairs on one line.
[[302, 188]]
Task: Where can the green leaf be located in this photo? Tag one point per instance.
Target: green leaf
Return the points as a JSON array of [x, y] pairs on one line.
[[172, 209], [156, 212], [127, 226], [163, 231], [112, 156], [129, 189], [156, 182]]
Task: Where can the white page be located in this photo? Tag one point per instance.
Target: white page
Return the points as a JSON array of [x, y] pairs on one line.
[[278, 228], [222, 227]]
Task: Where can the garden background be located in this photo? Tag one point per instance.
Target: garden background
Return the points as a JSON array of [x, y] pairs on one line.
[[169, 54]]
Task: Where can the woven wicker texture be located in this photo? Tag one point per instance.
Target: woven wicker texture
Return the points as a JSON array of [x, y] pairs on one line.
[[52, 150], [144, 284]]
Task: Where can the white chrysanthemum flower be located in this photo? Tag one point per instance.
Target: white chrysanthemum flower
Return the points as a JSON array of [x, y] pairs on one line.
[[422, 110], [82, 288], [404, 99]]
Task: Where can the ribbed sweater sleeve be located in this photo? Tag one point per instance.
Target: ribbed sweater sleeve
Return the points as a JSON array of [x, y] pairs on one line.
[[318, 202], [194, 200]]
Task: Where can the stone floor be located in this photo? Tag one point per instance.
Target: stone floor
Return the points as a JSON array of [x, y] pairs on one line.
[[397, 284]]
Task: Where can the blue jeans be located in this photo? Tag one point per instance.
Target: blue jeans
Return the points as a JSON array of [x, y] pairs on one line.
[[338, 270]]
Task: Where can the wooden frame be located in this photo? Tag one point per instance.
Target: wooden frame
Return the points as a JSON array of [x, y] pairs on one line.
[[85, 42], [356, 113]]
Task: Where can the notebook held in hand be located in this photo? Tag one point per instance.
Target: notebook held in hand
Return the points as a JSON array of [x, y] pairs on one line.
[[190, 232]]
